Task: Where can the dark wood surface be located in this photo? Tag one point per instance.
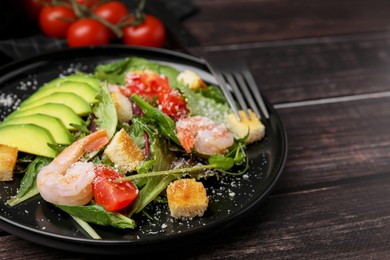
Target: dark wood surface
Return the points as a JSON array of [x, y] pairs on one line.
[[325, 65]]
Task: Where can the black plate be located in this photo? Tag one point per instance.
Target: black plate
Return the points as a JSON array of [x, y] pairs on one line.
[[230, 198]]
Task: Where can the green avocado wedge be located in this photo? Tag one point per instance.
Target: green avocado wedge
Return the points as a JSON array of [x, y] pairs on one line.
[[82, 78], [28, 138], [78, 104], [60, 111], [83, 90], [55, 126]]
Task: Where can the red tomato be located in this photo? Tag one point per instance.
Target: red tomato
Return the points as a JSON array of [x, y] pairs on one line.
[[112, 12], [172, 103], [151, 84], [151, 32], [146, 83], [111, 195], [87, 32], [32, 8], [55, 21], [88, 3]]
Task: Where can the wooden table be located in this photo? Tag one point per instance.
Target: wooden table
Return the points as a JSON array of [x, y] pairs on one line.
[[325, 65]]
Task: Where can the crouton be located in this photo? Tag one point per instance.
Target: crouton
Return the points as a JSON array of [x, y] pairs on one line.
[[123, 107], [240, 128], [124, 152], [8, 156], [187, 198], [191, 79]]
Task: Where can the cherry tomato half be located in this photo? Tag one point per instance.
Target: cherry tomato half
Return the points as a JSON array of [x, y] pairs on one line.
[[151, 32], [145, 83], [150, 84], [55, 21], [87, 32], [111, 195], [172, 103]]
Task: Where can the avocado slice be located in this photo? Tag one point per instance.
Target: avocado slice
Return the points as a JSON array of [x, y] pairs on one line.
[[81, 89], [78, 104], [28, 138], [55, 126], [82, 78], [60, 111]]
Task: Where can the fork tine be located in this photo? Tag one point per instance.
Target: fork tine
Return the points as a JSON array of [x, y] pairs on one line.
[[225, 90], [256, 93], [237, 93], [248, 95]]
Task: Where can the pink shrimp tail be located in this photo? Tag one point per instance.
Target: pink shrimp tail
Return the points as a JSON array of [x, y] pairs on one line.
[[96, 140]]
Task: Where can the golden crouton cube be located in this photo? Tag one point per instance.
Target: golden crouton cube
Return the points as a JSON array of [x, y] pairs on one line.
[[124, 152], [187, 198], [191, 79], [8, 156], [240, 128]]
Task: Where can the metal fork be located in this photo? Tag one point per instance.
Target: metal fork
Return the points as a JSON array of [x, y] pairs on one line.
[[237, 83]]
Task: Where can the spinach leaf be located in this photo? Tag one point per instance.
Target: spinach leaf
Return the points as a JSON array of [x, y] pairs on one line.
[[96, 214], [28, 187]]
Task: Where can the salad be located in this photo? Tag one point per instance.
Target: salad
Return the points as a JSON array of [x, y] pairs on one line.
[[105, 146]]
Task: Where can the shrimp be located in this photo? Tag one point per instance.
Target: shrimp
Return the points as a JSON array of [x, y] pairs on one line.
[[203, 135], [65, 181]]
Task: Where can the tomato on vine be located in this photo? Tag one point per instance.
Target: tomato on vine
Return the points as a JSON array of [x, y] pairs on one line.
[[32, 8], [88, 3], [148, 32], [112, 12], [87, 32], [55, 20]]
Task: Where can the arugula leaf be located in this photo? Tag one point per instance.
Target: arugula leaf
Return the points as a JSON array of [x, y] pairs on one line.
[[165, 124], [96, 214], [28, 187], [105, 112], [115, 72], [163, 159]]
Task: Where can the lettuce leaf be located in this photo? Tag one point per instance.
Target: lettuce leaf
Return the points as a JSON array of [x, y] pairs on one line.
[[105, 112], [200, 105]]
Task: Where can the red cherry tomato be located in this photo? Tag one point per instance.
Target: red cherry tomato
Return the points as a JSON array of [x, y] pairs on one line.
[[32, 8], [55, 21], [151, 32], [146, 83], [87, 32], [111, 195], [88, 3], [151, 84], [172, 103], [112, 12]]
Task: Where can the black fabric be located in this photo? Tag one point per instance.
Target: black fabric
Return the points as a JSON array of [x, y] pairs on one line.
[[21, 38]]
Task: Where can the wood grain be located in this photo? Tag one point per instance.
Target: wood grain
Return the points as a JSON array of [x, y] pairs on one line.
[[315, 69], [233, 22]]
